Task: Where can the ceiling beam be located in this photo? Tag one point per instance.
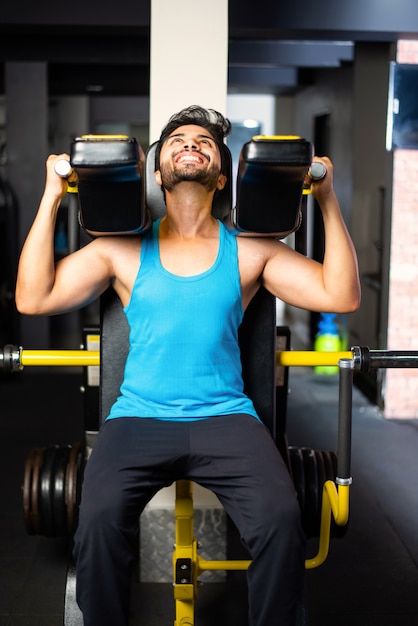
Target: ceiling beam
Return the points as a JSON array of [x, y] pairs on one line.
[[290, 53]]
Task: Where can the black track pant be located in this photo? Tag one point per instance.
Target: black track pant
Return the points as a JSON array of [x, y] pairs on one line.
[[235, 457]]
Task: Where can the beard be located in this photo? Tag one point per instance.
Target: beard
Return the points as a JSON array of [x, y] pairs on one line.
[[172, 176]]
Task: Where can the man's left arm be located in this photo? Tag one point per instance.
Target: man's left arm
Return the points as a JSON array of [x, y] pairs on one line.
[[332, 286]]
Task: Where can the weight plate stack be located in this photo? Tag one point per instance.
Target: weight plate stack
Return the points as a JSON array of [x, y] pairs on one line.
[[51, 489], [312, 493], [309, 470], [73, 479], [298, 475], [31, 516]]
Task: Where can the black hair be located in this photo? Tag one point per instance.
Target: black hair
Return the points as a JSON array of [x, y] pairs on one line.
[[213, 121]]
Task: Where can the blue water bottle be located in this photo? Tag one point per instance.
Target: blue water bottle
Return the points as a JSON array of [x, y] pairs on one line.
[[327, 340]]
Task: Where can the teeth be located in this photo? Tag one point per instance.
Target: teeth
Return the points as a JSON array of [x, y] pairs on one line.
[[189, 157]]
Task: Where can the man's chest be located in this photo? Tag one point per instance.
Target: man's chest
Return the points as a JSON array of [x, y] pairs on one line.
[[184, 257]]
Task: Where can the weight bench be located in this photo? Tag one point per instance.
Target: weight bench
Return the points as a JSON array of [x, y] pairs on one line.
[[111, 168]]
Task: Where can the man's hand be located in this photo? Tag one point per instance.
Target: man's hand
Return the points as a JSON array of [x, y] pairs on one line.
[[56, 186], [321, 188]]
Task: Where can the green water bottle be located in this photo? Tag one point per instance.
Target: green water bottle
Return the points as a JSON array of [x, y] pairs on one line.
[[327, 340]]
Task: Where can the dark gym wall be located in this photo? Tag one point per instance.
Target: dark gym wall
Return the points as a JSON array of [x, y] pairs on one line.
[[371, 20], [27, 134], [124, 13]]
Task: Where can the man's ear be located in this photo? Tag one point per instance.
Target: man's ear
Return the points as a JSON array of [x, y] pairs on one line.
[[221, 181], [158, 179]]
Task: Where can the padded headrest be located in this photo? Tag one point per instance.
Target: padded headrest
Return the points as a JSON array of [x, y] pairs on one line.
[[270, 181], [118, 193], [154, 198], [109, 169]]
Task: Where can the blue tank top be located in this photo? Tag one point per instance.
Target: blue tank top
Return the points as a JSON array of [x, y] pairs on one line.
[[184, 360]]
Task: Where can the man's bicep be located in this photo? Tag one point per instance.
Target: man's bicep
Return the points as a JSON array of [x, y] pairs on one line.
[[294, 279], [80, 278]]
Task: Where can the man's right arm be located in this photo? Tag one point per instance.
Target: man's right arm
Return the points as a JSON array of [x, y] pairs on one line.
[[46, 288]]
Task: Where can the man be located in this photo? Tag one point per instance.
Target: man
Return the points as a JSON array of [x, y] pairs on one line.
[[182, 412]]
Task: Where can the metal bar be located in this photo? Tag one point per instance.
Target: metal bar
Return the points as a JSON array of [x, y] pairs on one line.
[[73, 225], [90, 357], [184, 555], [345, 405], [364, 358], [310, 358], [238, 565], [393, 358], [60, 357], [335, 501]]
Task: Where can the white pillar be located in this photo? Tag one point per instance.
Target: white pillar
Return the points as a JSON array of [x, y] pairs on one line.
[[189, 58], [189, 65]]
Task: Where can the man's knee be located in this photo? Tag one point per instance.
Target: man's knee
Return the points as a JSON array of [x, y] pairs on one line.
[[283, 514], [101, 512]]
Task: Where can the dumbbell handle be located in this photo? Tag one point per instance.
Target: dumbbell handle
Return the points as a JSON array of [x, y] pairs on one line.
[[317, 171], [63, 168]]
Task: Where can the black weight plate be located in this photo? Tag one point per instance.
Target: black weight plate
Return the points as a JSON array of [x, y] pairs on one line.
[[46, 482], [298, 474], [73, 485], [58, 495], [35, 489], [320, 468], [328, 466], [27, 490], [311, 492], [334, 462]]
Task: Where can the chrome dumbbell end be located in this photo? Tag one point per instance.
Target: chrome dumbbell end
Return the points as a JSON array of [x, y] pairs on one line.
[[63, 168], [317, 171]]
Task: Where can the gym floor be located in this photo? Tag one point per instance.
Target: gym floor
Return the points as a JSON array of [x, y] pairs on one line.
[[370, 577]]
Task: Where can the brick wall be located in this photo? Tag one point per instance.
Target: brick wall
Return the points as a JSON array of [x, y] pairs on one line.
[[401, 390]]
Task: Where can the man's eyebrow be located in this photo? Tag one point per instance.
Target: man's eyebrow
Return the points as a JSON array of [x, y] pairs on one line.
[[201, 136]]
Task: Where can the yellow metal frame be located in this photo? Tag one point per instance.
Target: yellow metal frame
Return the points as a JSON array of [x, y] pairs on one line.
[[187, 564], [335, 504], [335, 501]]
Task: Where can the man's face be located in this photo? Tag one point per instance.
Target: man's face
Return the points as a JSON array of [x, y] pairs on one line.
[[190, 154]]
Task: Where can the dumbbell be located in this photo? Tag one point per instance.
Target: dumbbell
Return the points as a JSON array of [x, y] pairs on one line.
[[64, 169], [317, 171]]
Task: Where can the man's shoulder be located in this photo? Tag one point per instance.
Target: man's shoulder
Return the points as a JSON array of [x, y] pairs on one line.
[[117, 246], [117, 241], [253, 255], [255, 244]]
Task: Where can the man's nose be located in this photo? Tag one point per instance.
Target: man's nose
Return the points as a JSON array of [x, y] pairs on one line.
[[190, 144]]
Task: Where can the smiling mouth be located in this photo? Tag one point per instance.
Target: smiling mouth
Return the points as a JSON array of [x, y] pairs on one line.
[[189, 158]]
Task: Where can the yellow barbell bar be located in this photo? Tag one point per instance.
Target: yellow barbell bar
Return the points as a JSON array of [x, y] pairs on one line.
[[59, 357], [292, 358], [307, 358]]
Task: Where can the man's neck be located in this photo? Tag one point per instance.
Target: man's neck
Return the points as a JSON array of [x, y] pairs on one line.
[[189, 210]]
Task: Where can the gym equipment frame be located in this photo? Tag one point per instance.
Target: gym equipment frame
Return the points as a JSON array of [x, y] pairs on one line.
[[187, 564], [104, 166]]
